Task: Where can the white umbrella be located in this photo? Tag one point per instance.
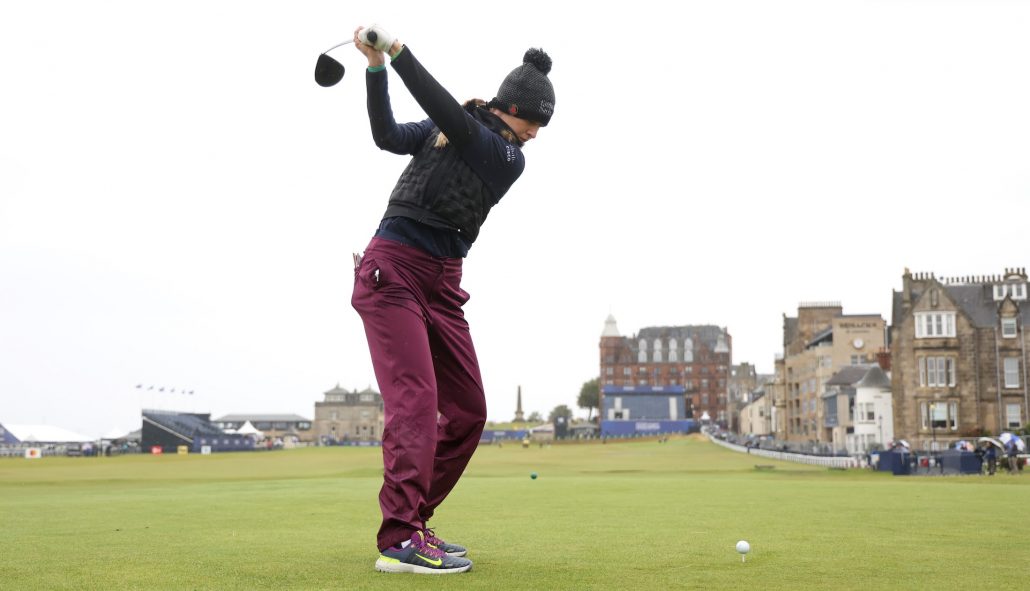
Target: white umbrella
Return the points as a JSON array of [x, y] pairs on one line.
[[992, 441]]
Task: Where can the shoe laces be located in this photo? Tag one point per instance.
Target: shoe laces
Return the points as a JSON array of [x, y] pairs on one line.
[[431, 537], [426, 547]]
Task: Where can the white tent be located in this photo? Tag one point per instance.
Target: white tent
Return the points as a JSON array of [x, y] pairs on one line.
[[116, 433], [46, 434], [248, 429]]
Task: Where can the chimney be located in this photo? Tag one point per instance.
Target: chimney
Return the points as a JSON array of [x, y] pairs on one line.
[[883, 359], [906, 288]]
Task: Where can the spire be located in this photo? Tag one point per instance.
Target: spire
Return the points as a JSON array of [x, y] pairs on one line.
[[610, 330], [518, 409]]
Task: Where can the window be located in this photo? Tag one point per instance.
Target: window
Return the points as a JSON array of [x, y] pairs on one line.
[[939, 415], [1016, 290], [657, 350], [1008, 328], [627, 371], [868, 412], [1012, 416], [857, 359], [1011, 365], [609, 371], [935, 324], [936, 372]]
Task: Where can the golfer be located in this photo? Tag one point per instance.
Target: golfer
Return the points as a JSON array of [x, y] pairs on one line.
[[407, 284]]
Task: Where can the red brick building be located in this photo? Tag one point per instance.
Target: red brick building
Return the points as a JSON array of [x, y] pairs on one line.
[[698, 358]]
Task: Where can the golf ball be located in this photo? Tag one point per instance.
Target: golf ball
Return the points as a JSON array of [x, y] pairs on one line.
[[533, 475], [743, 547]]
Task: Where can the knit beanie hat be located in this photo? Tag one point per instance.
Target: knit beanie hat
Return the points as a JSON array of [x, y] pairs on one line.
[[527, 93]]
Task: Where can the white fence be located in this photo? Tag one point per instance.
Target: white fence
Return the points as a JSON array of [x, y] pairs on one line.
[[828, 461]]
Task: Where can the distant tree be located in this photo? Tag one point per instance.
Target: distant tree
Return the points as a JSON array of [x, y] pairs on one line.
[[590, 397], [560, 411], [535, 417]]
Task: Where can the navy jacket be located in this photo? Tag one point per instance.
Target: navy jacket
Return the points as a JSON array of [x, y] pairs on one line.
[[443, 197]]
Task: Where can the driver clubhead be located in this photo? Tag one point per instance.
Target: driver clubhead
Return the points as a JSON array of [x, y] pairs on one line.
[[328, 71]]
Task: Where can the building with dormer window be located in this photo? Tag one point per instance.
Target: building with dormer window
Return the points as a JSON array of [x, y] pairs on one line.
[[959, 356], [665, 372]]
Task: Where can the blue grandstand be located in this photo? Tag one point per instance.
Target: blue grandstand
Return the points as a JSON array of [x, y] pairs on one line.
[[169, 430]]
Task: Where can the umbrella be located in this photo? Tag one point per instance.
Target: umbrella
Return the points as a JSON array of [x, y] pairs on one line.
[[992, 441], [1007, 437]]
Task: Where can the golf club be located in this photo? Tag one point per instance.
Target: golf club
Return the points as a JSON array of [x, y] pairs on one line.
[[328, 71]]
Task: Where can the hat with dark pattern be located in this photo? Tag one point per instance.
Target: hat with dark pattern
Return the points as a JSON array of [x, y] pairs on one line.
[[526, 92]]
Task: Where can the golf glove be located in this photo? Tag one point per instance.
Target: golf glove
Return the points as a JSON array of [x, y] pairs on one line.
[[381, 40]]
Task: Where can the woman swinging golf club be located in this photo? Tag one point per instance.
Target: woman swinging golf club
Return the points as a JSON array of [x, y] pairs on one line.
[[407, 284]]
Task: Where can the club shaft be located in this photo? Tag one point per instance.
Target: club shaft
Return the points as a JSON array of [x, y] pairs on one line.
[[338, 45]]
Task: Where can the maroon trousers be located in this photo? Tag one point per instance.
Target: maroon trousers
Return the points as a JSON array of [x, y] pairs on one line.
[[426, 366]]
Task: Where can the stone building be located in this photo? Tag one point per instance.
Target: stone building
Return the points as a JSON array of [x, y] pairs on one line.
[[694, 358], [349, 416], [744, 379], [817, 343], [756, 415], [959, 356]]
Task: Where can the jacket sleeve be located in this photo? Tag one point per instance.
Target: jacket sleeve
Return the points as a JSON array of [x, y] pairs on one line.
[[434, 99], [387, 134]]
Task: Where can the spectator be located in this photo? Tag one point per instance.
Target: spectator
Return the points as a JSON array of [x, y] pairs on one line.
[[1013, 453], [992, 459]]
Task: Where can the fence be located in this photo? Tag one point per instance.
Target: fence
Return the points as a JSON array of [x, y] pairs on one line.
[[828, 461]]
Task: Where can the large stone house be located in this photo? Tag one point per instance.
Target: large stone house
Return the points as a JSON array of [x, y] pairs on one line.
[[345, 417], [959, 356]]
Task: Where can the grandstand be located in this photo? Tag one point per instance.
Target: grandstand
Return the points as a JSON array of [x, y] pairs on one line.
[[169, 430], [636, 411]]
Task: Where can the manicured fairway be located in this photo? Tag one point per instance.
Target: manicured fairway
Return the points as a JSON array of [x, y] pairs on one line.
[[640, 515]]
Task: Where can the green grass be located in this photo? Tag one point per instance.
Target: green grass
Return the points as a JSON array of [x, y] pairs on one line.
[[638, 515]]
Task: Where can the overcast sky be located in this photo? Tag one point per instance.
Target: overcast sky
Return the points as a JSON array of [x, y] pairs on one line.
[[179, 200]]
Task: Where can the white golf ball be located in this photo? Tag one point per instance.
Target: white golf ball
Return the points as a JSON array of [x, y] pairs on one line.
[[743, 547]]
